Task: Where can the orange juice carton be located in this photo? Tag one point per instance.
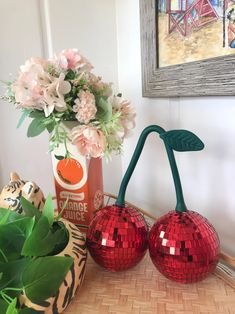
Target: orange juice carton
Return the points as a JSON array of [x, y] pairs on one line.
[[79, 180]]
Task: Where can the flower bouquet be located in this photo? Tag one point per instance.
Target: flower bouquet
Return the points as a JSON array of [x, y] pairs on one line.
[[63, 88], [84, 119]]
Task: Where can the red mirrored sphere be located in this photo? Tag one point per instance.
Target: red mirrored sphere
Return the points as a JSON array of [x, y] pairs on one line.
[[117, 237], [184, 246]]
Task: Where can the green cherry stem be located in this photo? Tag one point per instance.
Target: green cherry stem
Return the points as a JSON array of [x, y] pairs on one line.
[[180, 205]]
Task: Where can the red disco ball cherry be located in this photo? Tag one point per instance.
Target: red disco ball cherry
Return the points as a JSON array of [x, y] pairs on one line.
[[184, 246], [117, 237]]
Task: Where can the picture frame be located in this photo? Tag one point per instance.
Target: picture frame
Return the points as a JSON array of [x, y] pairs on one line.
[[209, 77]]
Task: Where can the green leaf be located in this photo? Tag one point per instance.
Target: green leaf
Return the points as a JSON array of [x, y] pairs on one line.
[[70, 75], [5, 218], [42, 240], [182, 140], [43, 276], [59, 157], [12, 214], [25, 224], [35, 128], [12, 273], [12, 307], [50, 127], [29, 209], [104, 110], [12, 238], [37, 114], [48, 210], [3, 306], [24, 115]]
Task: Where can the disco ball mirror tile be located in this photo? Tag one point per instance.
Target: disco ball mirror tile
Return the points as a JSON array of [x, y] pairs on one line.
[[184, 246], [117, 237]]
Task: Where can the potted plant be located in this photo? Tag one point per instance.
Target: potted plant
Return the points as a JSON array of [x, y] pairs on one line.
[[42, 260]]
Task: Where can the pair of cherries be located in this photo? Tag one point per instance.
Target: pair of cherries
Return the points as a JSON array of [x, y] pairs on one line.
[[183, 245]]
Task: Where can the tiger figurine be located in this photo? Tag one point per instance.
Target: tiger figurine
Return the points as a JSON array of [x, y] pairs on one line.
[[76, 248], [12, 192]]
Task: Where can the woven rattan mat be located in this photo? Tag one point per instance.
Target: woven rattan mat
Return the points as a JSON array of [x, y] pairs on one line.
[[143, 290]]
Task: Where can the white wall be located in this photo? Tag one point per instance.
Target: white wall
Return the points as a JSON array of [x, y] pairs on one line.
[[40, 28], [207, 176]]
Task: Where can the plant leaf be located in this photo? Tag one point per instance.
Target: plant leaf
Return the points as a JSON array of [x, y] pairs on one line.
[[13, 236], [29, 209], [12, 214], [42, 240], [35, 128], [37, 114], [50, 127], [5, 218], [12, 272], [48, 210], [3, 306], [24, 115], [59, 157], [182, 140], [25, 224], [43, 276], [12, 307]]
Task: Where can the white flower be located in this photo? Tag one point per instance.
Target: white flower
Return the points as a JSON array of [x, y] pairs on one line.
[[54, 95], [30, 85], [127, 113]]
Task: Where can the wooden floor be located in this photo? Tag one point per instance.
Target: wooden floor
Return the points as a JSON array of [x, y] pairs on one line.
[[143, 290]]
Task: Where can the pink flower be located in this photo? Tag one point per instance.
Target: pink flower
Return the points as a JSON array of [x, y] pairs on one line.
[[71, 59], [127, 113], [30, 85], [85, 107], [89, 140]]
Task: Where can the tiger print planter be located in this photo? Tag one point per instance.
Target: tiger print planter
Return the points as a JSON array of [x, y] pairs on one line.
[[10, 198], [76, 248]]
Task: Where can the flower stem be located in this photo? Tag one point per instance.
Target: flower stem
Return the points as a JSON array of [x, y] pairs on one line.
[[180, 205]]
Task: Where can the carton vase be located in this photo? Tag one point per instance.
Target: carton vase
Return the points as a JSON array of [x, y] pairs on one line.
[[79, 180]]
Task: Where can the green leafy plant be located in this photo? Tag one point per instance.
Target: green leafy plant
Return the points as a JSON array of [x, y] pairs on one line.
[[28, 243]]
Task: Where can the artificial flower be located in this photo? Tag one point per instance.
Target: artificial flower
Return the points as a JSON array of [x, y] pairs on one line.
[[89, 140], [127, 113], [72, 59], [85, 107]]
